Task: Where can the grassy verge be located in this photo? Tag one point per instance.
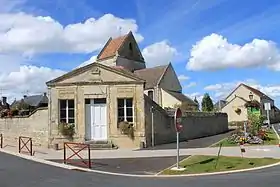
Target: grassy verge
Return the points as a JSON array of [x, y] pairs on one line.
[[206, 164], [273, 140]]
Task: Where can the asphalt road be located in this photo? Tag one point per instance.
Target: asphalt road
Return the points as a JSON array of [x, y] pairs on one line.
[[138, 166], [195, 143], [18, 172]]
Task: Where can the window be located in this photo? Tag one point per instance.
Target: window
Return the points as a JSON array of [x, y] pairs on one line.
[[130, 47], [67, 111], [151, 94], [125, 110]]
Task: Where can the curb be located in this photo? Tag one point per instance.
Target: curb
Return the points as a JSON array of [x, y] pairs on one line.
[[27, 157]]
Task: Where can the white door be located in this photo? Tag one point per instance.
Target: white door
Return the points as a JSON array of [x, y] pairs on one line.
[[98, 120]]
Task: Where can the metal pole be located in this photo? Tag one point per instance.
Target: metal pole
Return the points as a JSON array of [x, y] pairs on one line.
[[89, 159], [153, 133], [178, 150]]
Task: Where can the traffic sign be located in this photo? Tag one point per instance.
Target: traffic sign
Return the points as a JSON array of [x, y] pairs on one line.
[[178, 120], [267, 106]]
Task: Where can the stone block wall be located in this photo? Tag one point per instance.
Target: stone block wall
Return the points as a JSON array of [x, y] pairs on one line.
[[195, 124], [34, 126]]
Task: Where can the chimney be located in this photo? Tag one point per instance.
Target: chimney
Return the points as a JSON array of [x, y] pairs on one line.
[[45, 93], [4, 100]]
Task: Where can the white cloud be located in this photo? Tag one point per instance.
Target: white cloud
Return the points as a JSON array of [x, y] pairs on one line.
[[27, 34], [191, 84], [183, 77], [27, 78], [159, 53], [222, 90], [214, 52], [91, 60], [196, 95]]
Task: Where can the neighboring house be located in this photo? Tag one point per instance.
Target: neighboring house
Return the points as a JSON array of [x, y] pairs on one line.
[[162, 85], [244, 100], [98, 96], [31, 102]]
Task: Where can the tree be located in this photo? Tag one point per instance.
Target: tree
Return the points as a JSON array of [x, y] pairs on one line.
[[195, 100], [207, 103]]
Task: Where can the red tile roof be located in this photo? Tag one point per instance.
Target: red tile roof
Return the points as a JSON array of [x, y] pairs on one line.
[[111, 47]]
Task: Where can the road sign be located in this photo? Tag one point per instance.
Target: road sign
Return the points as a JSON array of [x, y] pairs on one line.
[[178, 120], [267, 106]]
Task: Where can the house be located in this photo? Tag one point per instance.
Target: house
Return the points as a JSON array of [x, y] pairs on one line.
[[101, 95], [244, 100], [163, 86], [31, 103]]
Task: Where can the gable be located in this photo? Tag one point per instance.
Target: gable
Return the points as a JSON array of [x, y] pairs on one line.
[[151, 75], [96, 73], [129, 49], [169, 80], [244, 92]]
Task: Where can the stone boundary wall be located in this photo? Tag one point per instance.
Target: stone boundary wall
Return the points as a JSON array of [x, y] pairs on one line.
[[35, 126], [195, 124]]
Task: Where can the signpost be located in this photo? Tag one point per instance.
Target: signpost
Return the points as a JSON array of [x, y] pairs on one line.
[[267, 107], [178, 128]]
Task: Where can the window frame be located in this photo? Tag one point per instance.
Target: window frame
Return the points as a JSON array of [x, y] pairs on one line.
[[149, 91], [67, 109], [124, 108]]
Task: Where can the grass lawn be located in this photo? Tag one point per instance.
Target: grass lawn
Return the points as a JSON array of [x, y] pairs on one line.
[[271, 134], [204, 164]]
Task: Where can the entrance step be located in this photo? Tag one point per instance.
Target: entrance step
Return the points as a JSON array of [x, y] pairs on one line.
[[97, 145]]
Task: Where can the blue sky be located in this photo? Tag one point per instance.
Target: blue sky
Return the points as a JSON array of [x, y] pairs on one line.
[[179, 25]]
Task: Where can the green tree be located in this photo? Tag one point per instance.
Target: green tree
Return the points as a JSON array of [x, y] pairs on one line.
[[207, 103], [195, 100]]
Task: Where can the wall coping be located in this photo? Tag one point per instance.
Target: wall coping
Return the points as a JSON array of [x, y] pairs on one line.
[[27, 116]]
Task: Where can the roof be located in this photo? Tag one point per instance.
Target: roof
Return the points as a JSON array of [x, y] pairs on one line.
[[152, 76], [111, 47], [35, 100], [77, 71], [181, 97], [255, 91]]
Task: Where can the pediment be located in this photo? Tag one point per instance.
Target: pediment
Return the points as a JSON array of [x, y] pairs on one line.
[[96, 73]]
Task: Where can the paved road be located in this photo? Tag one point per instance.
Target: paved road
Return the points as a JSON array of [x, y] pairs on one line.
[[195, 143], [15, 171], [277, 127], [138, 166]]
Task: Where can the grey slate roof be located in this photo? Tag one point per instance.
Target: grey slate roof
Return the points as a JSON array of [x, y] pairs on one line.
[[151, 75], [35, 100], [181, 97]]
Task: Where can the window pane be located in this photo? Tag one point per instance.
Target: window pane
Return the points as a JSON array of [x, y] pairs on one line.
[[87, 101], [128, 102], [129, 112], [71, 103], [120, 118], [129, 119], [62, 120], [71, 113], [120, 103], [71, 120], [151, 94], [100, 101], [62, 104], [62, 113], [120, 112]]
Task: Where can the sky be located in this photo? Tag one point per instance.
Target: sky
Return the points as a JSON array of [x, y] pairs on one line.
[[214, 45]]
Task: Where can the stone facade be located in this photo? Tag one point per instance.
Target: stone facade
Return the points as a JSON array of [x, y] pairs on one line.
[[113, 86], [34, 126]]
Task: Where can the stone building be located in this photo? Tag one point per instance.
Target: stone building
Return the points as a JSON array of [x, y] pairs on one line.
[[98, 96]]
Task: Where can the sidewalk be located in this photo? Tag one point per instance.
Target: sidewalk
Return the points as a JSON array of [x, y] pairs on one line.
[[251, 151]]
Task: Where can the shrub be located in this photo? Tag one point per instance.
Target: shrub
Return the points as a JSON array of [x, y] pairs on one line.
[[127, 129], [67, 130]]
